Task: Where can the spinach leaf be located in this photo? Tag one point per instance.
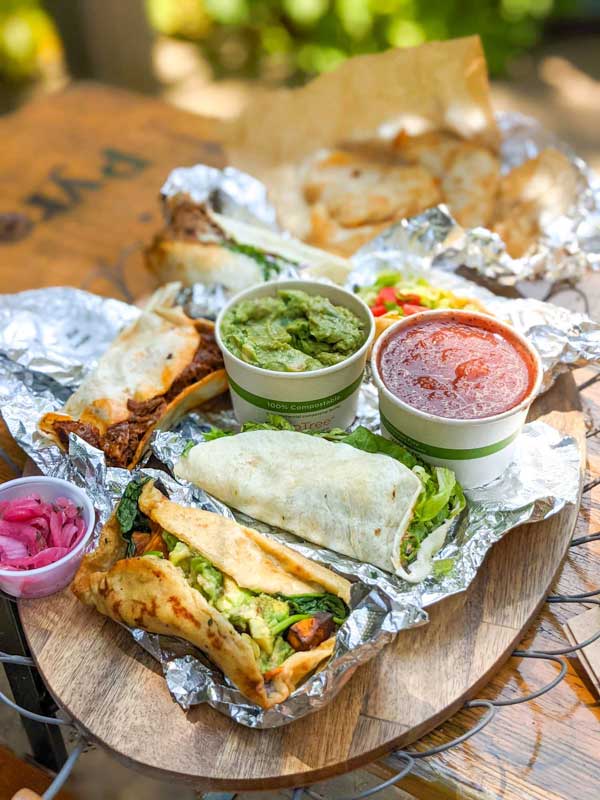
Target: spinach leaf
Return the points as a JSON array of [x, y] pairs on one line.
[[129, 516], [312, 603]]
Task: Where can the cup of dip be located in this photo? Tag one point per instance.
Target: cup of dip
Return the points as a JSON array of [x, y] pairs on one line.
[[455, 387], [314, 398]]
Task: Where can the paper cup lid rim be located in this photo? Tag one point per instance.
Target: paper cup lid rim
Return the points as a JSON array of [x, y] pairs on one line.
[[306, 374], [524, 403]]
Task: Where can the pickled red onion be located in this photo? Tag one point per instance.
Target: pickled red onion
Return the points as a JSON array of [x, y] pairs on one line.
[[34, 533]]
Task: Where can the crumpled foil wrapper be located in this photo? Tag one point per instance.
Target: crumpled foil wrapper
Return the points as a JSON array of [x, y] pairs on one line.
[[231, 193], [566, 248], [43, 357]]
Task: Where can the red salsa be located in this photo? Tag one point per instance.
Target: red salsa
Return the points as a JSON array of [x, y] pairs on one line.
[[457, 367]]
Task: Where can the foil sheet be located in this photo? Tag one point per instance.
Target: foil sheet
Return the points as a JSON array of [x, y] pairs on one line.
[[566, 248], [40, 366], [234, 194]]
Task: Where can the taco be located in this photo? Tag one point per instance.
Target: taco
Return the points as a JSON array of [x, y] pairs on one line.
[[156, 371], [264, 614]]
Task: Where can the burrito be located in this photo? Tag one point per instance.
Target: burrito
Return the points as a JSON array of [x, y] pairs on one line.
[[264, 614], [362, 495], [199, 245], [156, 371]]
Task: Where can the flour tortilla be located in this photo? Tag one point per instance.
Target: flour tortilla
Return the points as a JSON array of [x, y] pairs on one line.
[[142, 363], [208, 260], [356, 503], [151, 593]]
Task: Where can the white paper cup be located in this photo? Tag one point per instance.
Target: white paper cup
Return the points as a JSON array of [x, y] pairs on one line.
[[478, 450], [40, 582], [316, 400]]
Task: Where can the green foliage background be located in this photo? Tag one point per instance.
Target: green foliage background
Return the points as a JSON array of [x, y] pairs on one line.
[[290, 40]]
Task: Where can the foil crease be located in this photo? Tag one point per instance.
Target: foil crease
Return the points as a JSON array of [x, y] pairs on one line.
[[568, 245], [227, 191], [40, 365]]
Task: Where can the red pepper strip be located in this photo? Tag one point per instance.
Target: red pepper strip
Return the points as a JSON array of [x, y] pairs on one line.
[[412, 308], [408, 298], [387, 295], [378, 310]]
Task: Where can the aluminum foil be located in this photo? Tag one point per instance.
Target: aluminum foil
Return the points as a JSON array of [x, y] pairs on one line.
[[567, 246], [40, 365], [226, 191], [234, 194]]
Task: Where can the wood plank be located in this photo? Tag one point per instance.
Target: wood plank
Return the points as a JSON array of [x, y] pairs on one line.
[[88, 197], [100, 676]]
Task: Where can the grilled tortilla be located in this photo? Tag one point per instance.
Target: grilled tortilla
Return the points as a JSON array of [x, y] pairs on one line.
[[199, 245], [155, 371], [155, 594]]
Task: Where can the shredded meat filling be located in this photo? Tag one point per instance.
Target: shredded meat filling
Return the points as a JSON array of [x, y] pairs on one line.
[[82, 429], [188, 220], [121, 440]]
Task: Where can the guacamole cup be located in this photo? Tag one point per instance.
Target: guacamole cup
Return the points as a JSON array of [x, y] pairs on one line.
[[312, 400]]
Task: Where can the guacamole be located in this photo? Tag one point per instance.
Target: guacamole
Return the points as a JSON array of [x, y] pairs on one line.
[[291, 331]]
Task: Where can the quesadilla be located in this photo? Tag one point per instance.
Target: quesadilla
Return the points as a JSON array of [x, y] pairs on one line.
[[199, 245], [363, 496], [156, 371], [264, 614]]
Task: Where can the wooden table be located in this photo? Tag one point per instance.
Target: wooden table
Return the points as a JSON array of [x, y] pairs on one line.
[[82, 170]]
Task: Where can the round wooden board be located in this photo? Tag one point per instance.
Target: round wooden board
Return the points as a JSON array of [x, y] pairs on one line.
[[116, 692]]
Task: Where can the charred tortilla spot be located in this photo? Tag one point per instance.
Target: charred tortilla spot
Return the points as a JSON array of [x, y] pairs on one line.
[[180, 611]]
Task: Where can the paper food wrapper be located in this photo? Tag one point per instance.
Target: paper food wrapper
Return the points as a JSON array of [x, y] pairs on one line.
[[436, 86]]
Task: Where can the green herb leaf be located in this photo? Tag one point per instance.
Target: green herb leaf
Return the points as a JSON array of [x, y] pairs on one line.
[[216, 433], [269, 264], [129, 517], [310, 604], [187, 448], [443, 567]]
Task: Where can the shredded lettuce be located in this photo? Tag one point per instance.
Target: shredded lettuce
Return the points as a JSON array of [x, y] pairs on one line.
[[441, 495], [271, 265]]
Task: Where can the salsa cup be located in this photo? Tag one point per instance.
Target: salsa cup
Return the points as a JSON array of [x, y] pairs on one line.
[[315, 400], [477, 450], [43, 581]]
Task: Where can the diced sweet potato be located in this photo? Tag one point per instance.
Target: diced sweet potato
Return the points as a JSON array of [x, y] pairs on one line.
[[310, 633], [140, 540]]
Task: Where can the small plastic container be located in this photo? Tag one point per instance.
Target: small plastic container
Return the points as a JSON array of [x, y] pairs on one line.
[[43, 581]]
